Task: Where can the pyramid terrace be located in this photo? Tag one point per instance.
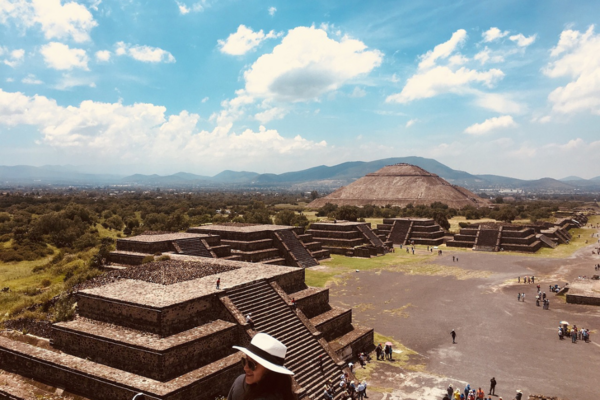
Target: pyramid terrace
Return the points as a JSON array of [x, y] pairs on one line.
[[171, 338]]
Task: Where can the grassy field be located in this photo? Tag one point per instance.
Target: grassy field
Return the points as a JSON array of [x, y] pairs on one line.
[[338, 268]]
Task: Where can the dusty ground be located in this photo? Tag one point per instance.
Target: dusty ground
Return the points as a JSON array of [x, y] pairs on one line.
[[516, 342]]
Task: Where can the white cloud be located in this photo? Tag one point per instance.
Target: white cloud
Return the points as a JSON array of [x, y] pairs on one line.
[[493, 34], [358, 92], [57, 21], [60, 56], [432, 79], [204, 100], [16, 57], [504, 121], [103, 55], [185, 9], [270, 115], [443, 79], [485, 56], [500, 103], [69, 81], [272, 11], [523, 41], [444, 50], [9, 80], [30, 79], [579, 60], [144, 53], [244, 40], [411, 123], [308, 64], [139, 132]]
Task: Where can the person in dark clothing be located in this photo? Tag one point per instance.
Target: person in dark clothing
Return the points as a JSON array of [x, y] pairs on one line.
[[265, 377], [453, 336], [493, 386], [519, 395], [379, 351]]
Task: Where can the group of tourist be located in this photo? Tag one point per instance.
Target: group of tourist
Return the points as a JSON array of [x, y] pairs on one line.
[[470, 393], [526, 279], [349, 389], [574, 333], [384, 353]]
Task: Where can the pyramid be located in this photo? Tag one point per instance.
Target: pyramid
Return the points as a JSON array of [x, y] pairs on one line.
[[400, 185]]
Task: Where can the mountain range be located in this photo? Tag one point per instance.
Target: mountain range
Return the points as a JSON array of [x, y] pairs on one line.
[[328, 177]]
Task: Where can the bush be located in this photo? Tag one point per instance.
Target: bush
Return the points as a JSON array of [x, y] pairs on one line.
[[463, 224], [45, 283], [147, 259], [64, 309], [163, 258]]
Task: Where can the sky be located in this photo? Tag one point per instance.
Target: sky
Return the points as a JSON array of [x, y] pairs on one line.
[[127, 86]]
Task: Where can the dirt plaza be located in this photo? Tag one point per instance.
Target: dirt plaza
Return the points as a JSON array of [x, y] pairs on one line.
[[497, 335]]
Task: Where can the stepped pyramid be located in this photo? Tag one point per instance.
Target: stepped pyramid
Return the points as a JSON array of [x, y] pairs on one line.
[[400, 185], [165, 330]]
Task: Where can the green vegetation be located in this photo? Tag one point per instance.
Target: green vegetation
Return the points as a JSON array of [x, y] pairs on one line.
[[339, 268]]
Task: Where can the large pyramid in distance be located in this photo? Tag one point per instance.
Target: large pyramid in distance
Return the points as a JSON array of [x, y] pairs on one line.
[[400, 185]]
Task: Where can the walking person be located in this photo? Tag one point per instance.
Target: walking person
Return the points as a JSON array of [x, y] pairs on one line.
[[453, 336], [218, 283], [264, 376], [492, 386]]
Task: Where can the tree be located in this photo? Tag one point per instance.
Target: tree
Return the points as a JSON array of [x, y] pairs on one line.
[[284, 217], [349, 213], [314, 195]]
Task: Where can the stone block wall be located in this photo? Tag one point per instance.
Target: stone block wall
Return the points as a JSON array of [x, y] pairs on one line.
[[581, 299], [314, 304], [145, 247], [292, 281], [336, 327], [128, 259]]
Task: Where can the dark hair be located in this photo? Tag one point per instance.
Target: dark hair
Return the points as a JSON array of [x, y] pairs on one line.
[[272, 383]]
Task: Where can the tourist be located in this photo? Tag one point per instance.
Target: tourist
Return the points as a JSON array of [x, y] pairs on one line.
[[218, 283], [361, 390], [467, 390], [457, 394], [249, 321], [519, 296], [479, 394], [265, 376], [379, 351], [351, 367], [453, 336], [293, 306], [493, 386], [452, 258], [518, 279], [532, 279], [519, 395], [523, 297], [450, 391], [327, 394]]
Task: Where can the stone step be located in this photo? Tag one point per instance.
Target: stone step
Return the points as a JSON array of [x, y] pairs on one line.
[[100, 382], [146, 354]]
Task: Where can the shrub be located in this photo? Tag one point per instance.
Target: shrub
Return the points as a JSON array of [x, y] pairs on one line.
[[147, 259], [45, 283], [163, 258]]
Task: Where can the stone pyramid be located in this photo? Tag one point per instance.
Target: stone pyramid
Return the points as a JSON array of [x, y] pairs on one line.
[[400, 185]]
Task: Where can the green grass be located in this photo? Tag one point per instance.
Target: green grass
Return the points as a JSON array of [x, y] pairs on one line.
[[103, 232], [338, 268]]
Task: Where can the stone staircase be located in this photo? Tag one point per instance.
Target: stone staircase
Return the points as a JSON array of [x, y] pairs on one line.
[[272, 315], [487, 240], [303, 257], [400, 231], [193, 247], [370, 235]]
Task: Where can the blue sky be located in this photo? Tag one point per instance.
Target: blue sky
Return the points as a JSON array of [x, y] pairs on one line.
[[508, 88]]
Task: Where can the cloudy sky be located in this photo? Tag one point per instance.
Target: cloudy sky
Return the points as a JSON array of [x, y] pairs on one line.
[[144, 86]]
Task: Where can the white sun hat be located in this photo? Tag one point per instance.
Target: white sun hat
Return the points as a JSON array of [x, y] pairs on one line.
[[268, 352]]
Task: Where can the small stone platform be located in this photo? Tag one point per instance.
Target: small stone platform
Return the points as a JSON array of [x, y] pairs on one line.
[[584, 292], [353, 239]]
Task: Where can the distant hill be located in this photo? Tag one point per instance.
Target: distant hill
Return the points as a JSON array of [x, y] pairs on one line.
[[322, 177]]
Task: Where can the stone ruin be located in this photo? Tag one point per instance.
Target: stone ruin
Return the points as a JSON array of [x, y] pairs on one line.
[[353, 239], [268, 244], [403, 231], [168, 333]]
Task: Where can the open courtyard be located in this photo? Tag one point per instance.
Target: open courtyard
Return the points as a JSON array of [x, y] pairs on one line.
[[416, 300]]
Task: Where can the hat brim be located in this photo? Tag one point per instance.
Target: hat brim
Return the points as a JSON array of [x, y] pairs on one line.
[[267, 364]]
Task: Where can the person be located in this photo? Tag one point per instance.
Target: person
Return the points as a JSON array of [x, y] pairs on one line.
[[249, 320], [467, 390], [379, 351], [265, 377], [360, 390], [519, 395], [518, 279], [351, 367], [523, 297], [218, 283], [450, 391], [519, 297], [293, 304], [480, 394], [327, 395], [453, 336], [492, 386]]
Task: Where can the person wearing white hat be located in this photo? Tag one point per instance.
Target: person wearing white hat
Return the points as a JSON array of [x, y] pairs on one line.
[[265, 377]]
